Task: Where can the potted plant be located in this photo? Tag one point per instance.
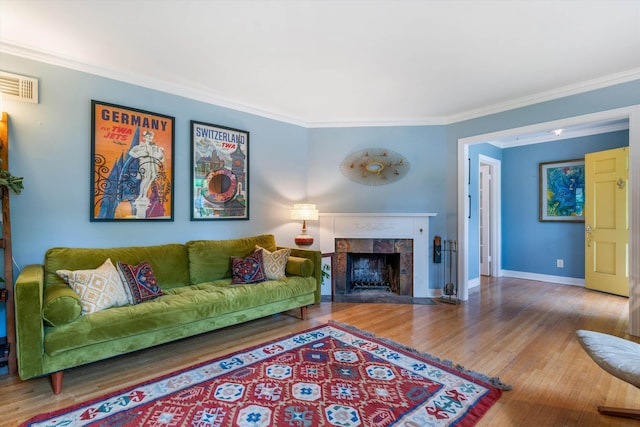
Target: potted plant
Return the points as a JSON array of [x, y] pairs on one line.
[[9, 181]]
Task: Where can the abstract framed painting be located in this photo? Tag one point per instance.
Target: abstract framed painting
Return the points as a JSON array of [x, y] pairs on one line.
[[562, 191], [219, 172], [132, 164]]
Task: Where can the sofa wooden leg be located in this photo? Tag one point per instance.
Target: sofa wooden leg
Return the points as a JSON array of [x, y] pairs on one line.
[[620, 412], [303, 312], [56, 382]]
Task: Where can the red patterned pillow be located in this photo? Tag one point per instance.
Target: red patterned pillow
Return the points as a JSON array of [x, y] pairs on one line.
[[140, 282], [248, 270]]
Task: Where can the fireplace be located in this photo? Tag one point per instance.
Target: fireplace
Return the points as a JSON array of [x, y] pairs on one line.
[[373, 265], [373, 272], [396, 242]]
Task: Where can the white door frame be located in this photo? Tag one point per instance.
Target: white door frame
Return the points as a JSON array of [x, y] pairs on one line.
[[495, 219], [632, 114]]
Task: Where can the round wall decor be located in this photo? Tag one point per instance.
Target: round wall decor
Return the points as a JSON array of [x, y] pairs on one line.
[[375, 166]]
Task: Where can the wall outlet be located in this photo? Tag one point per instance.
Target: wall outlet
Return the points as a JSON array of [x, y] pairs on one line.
[[560, 263]]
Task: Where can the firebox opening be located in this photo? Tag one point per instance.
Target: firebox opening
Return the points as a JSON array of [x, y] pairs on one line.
[[373, 272]]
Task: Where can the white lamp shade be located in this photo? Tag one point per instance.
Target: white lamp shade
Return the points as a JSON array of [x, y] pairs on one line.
[[304, 211]]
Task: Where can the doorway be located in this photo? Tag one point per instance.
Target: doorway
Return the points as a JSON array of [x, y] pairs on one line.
[[631, 114], [489, 206]]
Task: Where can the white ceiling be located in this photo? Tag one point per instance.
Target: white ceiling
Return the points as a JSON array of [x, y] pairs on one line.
[[349, 62]]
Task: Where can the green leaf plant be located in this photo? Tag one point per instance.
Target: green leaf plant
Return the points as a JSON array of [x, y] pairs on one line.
[[9, 181]]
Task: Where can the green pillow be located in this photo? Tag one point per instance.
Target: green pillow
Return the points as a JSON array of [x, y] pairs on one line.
[[61, 305], [297, 266], [210, 260]]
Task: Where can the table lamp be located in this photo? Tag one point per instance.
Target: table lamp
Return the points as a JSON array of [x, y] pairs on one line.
[[304, 211]]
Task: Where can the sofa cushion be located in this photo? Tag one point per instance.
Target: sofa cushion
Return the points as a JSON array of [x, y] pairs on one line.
[[248, 270], [298, 266], [98, 288], [60, 305], [139, 281], [178, 307], [274, 262], [210, 260], [169, 262]]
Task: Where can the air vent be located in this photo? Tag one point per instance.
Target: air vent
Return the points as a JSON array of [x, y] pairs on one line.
[[19, 87]]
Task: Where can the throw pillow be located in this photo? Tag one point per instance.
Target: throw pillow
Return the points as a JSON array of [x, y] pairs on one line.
[[98, 289], [60, 305], [247, 270], [274, 262], [140, 282]]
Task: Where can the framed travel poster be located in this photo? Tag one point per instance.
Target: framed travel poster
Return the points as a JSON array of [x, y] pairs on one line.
[[562, 191], [131, 164], [219, 172]]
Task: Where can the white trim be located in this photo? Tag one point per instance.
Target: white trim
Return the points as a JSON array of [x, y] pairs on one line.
[[496, 212], [434, 293], [561, 92], [383, 226], [562, 280], [463, 219], [185, 91], [634, 221], [474, 283], [567, 134], [631, 113], [430, 121], [198, 94], [381, 214]]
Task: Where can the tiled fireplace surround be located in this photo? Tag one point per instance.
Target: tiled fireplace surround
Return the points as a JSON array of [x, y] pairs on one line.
[[403, 247], [405, 234]]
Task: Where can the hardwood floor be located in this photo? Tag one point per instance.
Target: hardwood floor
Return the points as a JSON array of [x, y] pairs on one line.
[[521, 331]]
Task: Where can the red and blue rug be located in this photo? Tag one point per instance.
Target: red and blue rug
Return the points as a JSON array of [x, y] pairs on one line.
[[331, 375]]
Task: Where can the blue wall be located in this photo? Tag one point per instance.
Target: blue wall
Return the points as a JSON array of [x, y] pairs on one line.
[[528, 244], [622, 95], [421, 190], [522, 233], [50, 147]]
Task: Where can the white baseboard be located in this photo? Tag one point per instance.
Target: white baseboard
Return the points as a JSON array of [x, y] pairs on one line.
[[563, 280], [434, 293], [473, 283]]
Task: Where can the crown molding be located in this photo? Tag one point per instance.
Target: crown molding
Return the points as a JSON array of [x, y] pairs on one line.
[[435, 121], [550, 136], [140, 80], [53, 58], [561, 92]]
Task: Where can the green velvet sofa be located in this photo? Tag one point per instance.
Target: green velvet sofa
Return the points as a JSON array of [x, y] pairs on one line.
[[195, 278]]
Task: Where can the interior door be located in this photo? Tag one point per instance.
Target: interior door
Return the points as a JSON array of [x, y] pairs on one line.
[[607, 221], [485, 214]]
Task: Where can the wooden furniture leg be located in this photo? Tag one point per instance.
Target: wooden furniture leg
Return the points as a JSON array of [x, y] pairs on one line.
[[56, 382], [303, 312], [620, 412]]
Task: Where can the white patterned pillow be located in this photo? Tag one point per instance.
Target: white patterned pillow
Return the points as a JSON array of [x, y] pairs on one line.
[[275, 263], [98, 289]]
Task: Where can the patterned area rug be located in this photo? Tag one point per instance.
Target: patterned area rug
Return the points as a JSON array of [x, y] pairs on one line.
[[331, 375]]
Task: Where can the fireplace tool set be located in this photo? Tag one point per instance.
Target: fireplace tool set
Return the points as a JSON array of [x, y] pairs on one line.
[[446, 251]]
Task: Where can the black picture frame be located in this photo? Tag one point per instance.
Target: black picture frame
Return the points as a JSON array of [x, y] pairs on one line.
[[132, 164], [219, 172]]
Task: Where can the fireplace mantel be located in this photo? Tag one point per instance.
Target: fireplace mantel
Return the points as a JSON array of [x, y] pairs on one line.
[[413, 226]]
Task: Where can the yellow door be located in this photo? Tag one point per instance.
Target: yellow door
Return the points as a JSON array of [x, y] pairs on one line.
[[606, 216]]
